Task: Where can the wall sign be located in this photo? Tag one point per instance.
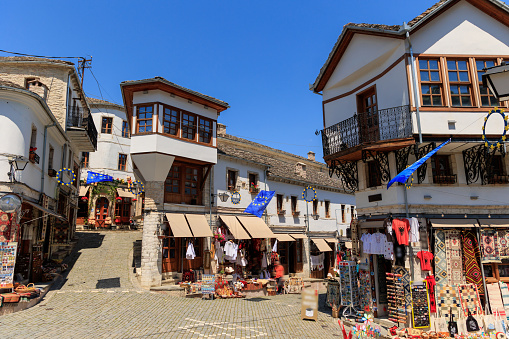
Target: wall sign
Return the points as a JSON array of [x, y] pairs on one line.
[[236, 198], [8, 261]]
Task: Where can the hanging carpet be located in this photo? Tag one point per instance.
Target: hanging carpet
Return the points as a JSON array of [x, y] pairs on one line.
[[472, 256], [449, 302], [495, 298], [503, 242], [454, 257], [489, 242], [470, 300], [440, 259], [505, 297]]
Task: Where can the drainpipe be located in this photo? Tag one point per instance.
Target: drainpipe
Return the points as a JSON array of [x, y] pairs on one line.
[[44, 158], [406, 28]]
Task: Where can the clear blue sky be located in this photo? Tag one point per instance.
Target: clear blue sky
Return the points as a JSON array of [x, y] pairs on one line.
[[259, 56]]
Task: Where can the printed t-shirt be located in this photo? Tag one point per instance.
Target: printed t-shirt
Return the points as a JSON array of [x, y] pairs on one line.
[[389, 251], [366, 243], [378, 241], [425, 258], [401, 228], [414, 230], [430, 282]]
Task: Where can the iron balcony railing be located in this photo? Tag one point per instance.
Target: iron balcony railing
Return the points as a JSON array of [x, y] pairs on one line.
[[383, 124], [76, 118]]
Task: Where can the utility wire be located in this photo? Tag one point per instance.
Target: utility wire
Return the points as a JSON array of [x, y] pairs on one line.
[[41, 56]]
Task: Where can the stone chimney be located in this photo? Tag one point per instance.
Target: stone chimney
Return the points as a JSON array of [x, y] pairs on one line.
[[300, 169], [221, 130], [311, 155]]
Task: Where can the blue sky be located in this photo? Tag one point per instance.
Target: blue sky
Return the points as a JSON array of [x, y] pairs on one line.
[[259, 56]]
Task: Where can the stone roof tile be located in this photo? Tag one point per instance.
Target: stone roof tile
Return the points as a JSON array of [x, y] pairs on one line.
[[34, 59]]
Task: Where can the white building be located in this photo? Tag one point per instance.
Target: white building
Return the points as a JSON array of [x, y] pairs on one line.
[[393, 93], [44, 118]]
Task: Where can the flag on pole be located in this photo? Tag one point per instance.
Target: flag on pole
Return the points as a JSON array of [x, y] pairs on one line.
[[258, 205], [403, 176], [97, 177]]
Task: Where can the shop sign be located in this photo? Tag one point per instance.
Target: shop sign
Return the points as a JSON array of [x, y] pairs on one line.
[[7, 263], [309, 307]]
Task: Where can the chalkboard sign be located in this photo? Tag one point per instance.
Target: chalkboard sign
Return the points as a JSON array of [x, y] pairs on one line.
[[420, 306], [7, 263]]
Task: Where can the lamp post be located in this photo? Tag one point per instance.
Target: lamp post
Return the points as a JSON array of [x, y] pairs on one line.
[[496, 78], [17, 163]]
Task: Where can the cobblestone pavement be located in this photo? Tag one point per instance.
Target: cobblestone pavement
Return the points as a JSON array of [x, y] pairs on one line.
[[99, 300]]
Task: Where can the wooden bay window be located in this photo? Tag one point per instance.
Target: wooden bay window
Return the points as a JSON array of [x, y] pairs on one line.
[[460, 86], [188, 126], [107, 125], [171, 121], [487, 98], [144, 119], [205, 130]]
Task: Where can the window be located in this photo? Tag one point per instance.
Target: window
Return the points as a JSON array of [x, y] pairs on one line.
[[497, 173], [171, 121], [373, 174], [441, 168], [106, 125], [122, 162], [51, 154], [85, 159], [253, 182], [343, 216], [33, 138], [497, 272], [188, 126], [144, 119], [125, 129], [431, 82], [205, 130], [183, 184], [460, 86], [294, 205], [315, 207], [279, 202], [232, 180], [327, 208], [487, 99]]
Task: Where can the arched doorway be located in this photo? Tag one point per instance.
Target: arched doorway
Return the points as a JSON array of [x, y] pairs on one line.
[[101, 212]]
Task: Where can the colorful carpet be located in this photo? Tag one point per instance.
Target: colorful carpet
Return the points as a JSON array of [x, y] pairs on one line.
[[489, 242], [449, 302], [472, 256], [505, 297], [5, 227], [495, 298], [454, 256], [470, 301], [503, 241], [440, 259]]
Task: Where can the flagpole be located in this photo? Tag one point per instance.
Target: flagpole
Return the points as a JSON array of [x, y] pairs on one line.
[[308, 240], [410, 249]]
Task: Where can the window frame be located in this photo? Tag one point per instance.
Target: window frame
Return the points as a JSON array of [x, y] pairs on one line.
[[122, 162], [177, 123], [231, 184], [294, 204], [182, 196], [201, 130], [373, 179], [108, 128], [279, 203], [125, 129], [480, 86], [460, 83], [430, 83], [146, 120], [85, 159], [315, 207], [187, 127]]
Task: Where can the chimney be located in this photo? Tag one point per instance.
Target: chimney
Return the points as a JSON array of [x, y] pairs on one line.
[[300, 169], [311, 155], [221, 130]]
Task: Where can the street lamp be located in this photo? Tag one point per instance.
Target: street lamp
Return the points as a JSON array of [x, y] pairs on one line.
[[496, 78], [222, 196], [18, 163]]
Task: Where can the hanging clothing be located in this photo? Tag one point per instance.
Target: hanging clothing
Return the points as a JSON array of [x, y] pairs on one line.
[[388, 229], [274, 248], [366, 243], [401, 227], [190, 251], [317, 261], [389, 250], [430, 282], [425, 257], [378, 241], [414, 230], [471, 260], [264, 260], [400, 252]]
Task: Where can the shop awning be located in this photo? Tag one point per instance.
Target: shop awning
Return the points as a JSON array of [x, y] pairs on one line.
[[235, 227], [178, 225], [45, 210], [256, 227], [298, 235], [284, 237], [124, 193], [199, 225], [372, 224], [322, 245], [83, 190], [454, 223], [494, 222], [331, 240]]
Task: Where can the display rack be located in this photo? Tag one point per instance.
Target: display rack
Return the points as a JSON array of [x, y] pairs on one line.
[[420, 306], [396, 298], [349, 287]]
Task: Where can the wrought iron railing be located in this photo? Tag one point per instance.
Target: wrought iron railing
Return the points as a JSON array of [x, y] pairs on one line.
[[76, 118], [383, 124], [445, 179]]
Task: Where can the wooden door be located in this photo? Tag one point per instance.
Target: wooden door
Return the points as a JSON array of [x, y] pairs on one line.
[[101, 212], [171, 254], [367, 107]]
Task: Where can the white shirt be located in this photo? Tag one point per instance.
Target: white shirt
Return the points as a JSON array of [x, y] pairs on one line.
[[190, 251], [366, 243], [414, 230], [378, 241]]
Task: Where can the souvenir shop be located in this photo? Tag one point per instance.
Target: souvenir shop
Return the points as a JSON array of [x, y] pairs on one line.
[[430, 275]]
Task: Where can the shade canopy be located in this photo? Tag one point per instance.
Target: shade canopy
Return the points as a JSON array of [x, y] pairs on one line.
[[284, 237], [331, 240], [235, 227], [372, 224], [83, 190], [45, 210], [256, 227], [454, 223], [179, 226], [124, 193], [199, 225], [494, 222], [322, 245], [298, 236]]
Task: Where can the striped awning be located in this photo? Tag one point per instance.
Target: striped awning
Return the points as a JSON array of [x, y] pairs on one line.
[[199, 225], [284, 237], [256, 227]]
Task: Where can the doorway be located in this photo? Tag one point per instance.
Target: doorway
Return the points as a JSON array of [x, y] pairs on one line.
[[171, 257], [367, 107], [101, 212]]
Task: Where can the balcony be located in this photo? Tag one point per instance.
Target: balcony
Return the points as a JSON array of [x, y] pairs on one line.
[[371, 130], [81, 130], [499, 179], [445, 179]]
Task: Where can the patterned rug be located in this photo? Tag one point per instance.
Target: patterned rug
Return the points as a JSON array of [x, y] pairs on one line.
[[449, 302], [405, 279], [5, 227], [505, 297], [470, 300], [440, 259], [472, 256], [489, 242], [495, 297], [454, 256], [503, 241]]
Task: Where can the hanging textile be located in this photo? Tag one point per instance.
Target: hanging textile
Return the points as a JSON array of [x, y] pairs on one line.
[[470, 301], [454, 257], [5, 227], [274, 248], [495, 298], [505, 297], [449, 301], [489, 242], [430, 282], [503, 241], [472, 257], [440, 259], [190, 251]]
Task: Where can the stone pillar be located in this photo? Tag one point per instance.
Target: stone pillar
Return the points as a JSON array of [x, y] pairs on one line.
[[151, 251], [306, 247]]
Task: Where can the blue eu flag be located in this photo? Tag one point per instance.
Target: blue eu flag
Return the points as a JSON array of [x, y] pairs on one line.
[[97, 177], [258, 205]]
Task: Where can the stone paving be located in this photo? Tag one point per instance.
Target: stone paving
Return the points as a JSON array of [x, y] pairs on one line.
[[101, 299]]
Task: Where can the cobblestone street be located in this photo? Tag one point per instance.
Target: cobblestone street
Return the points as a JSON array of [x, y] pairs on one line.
[[101, 299]]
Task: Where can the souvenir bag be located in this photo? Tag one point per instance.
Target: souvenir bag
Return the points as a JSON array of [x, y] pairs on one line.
[[440, 323], [499, 322], [462, 326], [472, 325], [489, 322], [452, 326]]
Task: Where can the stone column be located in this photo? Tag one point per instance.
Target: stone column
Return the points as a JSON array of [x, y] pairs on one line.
[[151, 251]]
